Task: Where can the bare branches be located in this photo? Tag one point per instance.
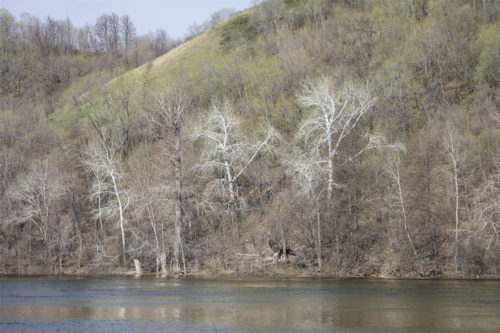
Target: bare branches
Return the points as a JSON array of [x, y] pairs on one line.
[[227, 152], [170, 104], [393, 169], [35, 195], [106, 168], [486, 206], [456, 155], [334, 112], [376, 141], [115, 118], [271, 136], [306, 170]]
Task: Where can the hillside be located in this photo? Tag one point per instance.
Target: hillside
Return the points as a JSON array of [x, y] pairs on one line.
[[362, 136]]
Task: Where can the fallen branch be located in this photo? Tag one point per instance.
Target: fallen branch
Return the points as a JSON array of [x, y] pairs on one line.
[[247, 254]]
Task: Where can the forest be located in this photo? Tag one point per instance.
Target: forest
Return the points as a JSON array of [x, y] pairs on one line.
[[297, 138]]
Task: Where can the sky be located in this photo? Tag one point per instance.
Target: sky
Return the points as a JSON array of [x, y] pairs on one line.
[[175, 16]]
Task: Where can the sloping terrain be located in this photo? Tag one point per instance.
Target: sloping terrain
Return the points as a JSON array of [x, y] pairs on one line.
[[216, 155]]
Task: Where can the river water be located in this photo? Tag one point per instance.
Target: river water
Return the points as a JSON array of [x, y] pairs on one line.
[[148, 304]]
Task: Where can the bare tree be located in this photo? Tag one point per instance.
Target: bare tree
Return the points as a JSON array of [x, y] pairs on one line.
[[269, 14], [227, 153], [334, 113], [97, 197], [307, 171], [486, 206], [36, 194], [102, 30], [70, 189], [8, 29], [115, 120], [103, 163], [107, 29], [10, 163], [195, 29], [146, 197], [456, 155], [220, 15], [160, 42], [86, 40], [128, 32], [170, 107], [307, 174], [393, 169]]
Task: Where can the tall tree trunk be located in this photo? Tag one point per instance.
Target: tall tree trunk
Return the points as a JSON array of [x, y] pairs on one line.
[[403, 210], [331, 155], [233, 206], [230, 181], [178, 204], [455, 179], [153, 226], [120, 208], [152, 220], [100, 221], [318, 238], [452, 151], [429, 206], [76, 217]]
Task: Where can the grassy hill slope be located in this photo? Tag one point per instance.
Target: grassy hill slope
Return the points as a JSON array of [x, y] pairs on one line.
[[431, 68]]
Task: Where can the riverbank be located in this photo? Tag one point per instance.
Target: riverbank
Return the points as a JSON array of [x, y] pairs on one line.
[[262, 266], [279, 274]]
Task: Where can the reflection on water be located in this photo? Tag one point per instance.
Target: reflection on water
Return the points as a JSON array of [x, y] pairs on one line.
[[124, 304]]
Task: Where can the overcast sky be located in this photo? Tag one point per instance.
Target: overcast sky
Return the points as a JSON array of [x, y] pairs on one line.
[[148, 15]]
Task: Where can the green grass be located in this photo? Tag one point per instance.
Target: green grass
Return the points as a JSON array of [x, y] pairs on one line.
[[237, 30]]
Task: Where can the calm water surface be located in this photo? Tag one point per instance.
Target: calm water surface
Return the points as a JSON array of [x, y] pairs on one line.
[[148, 304]]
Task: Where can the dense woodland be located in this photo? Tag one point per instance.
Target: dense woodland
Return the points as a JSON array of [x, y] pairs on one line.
[[362, 135]]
